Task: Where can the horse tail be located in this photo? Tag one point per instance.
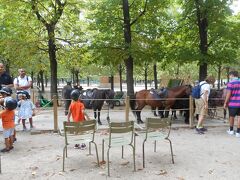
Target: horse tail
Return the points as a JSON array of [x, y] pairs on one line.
[[133, 104]]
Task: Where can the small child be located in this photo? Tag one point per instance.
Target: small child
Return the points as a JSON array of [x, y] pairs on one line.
[[26, 109], [6, 93], [77, 111], [8, 116]]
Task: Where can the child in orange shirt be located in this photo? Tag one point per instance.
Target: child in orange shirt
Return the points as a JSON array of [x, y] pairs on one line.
[[76, 110], [8, 116]]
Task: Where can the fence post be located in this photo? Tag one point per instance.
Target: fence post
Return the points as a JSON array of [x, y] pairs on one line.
[[191, 112], [55, 113], [127, 108], [33, 96]]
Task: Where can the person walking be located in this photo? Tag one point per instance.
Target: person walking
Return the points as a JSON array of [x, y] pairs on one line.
[[232, 102], [5, 79], [22, 82], [66, 92], [202, 103]]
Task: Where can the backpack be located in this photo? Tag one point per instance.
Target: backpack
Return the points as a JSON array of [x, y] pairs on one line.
[[196, 91]]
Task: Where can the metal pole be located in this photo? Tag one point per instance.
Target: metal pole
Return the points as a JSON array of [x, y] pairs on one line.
[[55, 113], [127, 105]]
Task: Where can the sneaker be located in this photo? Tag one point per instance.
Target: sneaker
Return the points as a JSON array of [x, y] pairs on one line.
[[238, 135], [77, 146], [203, 129], [199, 130], [230, 132], [83, 146], [24, 129]]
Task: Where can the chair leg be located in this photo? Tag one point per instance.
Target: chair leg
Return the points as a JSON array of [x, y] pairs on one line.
[[108, 163], [171, 150], [96, 153], [64, 152], [103, 150], [90, 148], [122, 152], [143, 147], [155, 146]]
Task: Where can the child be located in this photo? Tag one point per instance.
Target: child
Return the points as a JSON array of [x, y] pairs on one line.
[[26, 109], [5, 93], [76, 110], [7, 116]]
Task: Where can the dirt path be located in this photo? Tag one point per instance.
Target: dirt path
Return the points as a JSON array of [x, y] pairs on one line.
[[214, 155]]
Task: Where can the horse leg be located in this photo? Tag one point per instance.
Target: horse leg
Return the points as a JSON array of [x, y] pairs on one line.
[[139, 121], [154, 110], [186, 116], [161, 112], [95, 113], [99, 121], [166, 113], [174, 114]]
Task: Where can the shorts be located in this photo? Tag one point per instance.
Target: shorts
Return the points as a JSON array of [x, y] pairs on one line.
[[234, 111], [8, 132], [200, 109]]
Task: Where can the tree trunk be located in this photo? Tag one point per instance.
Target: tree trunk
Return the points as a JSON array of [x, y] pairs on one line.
[[219, 77], [46, 80], [88, 81], [32, 79], [41, 81], [203, 34], [128, 40], [112, 82], [120, 76], [77, 78], [155, 76], [145, 76], [52, 57]]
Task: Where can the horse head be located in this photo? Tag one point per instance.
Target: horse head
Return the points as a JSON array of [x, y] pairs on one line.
[[109, 95]]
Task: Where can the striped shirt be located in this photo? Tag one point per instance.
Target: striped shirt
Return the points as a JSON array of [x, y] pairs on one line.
[[234, 87]]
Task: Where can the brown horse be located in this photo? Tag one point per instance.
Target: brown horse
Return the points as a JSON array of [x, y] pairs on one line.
[[145, 97], [216, 99]]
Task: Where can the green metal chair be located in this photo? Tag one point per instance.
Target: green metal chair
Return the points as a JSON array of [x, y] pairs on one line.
[[79, 132], [120, 134], [157, 129]]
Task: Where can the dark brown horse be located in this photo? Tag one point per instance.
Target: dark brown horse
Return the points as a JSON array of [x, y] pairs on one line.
[[145, 97], [216, 99]]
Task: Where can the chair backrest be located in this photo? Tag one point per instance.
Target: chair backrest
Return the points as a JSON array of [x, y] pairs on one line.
[[121, 128], [161, 124], [79, 128]]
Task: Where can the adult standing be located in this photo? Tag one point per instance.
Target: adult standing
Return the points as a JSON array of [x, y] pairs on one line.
[[232, 101], [5, 79], [66, 96], [202, 103], [23, 82]]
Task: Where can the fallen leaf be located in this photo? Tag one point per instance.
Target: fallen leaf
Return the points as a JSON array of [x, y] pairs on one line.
[[125, 163], [211, 171], [180, 178], [102, 162], [72, 169], [60, 173], [162, 172], [34, 173]]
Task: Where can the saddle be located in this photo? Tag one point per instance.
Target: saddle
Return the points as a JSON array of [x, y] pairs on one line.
[[159, 93]]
